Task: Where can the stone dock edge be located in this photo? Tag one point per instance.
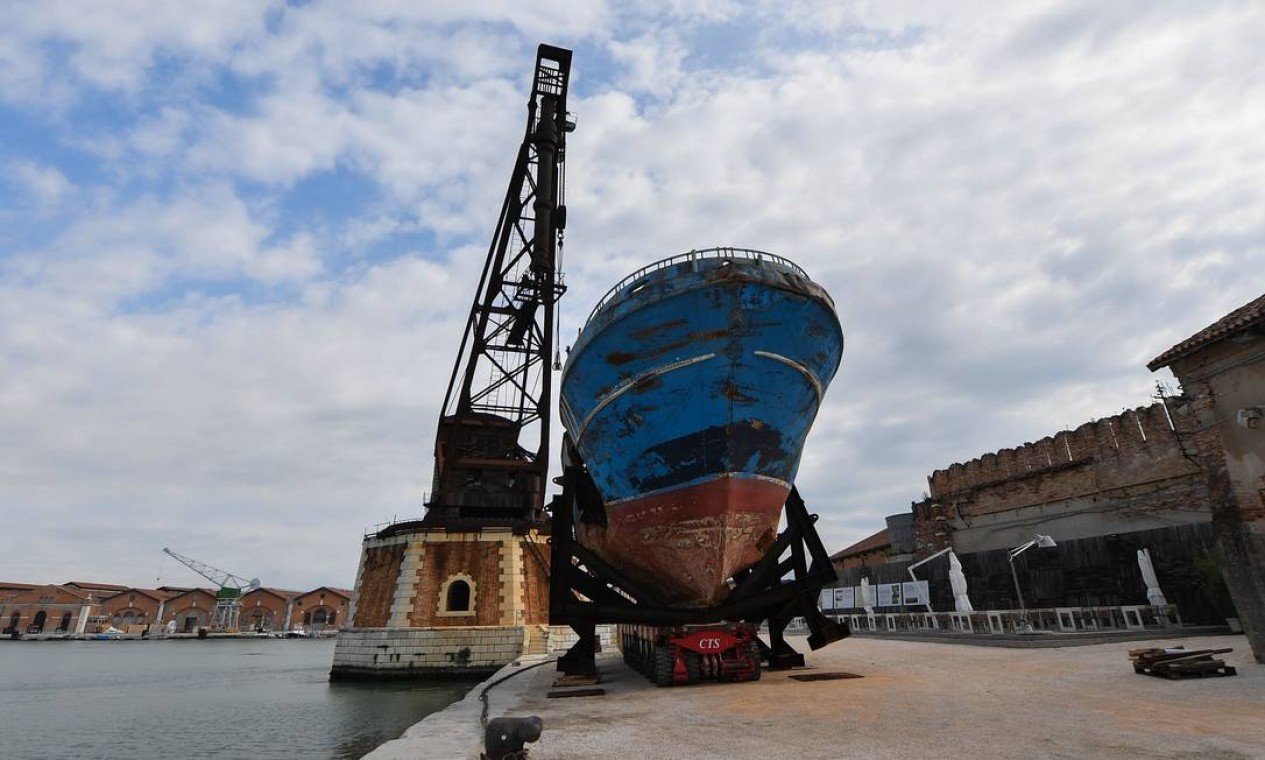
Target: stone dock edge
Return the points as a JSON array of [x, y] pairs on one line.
[[457, 731]]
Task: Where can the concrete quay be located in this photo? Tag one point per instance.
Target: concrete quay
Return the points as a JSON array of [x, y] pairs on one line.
[[913, 699]]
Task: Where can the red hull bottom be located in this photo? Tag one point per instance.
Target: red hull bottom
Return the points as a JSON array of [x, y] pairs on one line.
[[688, 542]]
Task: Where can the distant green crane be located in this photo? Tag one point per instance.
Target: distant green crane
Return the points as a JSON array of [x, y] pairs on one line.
[[228, 598]]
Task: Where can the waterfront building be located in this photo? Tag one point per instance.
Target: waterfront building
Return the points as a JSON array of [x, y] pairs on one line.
[[81, 607], [266, 609], [319, 609], [190, 610], [135, 607], [47, 609]]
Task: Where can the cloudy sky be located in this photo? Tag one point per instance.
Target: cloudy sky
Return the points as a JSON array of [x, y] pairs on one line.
[[238, 239]]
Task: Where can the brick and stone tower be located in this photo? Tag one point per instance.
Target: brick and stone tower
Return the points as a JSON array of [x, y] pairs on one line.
[[465, 588]]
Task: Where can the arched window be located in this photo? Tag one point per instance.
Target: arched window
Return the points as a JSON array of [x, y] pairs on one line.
[[458, 597], [38, 624], [13, 621], [65, 622]]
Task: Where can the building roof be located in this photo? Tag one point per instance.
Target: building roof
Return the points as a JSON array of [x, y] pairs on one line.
[[93, 586], [866, 545], [280, 593], [49, 589], [331, 589], [1240, 320], [208, 591], [152, 593]]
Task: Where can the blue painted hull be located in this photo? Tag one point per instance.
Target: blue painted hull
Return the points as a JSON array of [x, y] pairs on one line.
[[689, 395]]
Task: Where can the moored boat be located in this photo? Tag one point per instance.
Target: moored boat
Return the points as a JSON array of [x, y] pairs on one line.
[[688, 395]]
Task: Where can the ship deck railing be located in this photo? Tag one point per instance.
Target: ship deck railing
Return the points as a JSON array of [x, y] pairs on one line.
[[723, 252]]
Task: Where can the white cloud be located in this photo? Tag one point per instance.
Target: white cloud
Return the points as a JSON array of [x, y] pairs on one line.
[[653, 61], [1014, 208], [44, 185], [114, 46]]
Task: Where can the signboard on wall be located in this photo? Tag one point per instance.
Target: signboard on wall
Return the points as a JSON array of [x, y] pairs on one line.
[[916, 592], [889, 595], [837, 599]]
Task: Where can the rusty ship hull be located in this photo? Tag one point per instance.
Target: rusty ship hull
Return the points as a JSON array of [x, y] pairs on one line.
[[688, 395]]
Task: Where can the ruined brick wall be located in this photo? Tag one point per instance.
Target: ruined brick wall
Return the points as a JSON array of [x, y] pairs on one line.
[[1218, 381], [478, 560], [867, 559], [379, 574], [1129, 467], [1134, 448]]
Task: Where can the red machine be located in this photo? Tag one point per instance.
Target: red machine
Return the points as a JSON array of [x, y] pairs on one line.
[[671, 655]]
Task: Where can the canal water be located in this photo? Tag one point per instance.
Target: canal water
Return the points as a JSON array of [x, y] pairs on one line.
[[258, 698]]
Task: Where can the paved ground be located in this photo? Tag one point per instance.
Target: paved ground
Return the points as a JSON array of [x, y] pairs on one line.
[[915, 699]]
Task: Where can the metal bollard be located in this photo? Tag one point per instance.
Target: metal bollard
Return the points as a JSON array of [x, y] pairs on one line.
[[503, 738]]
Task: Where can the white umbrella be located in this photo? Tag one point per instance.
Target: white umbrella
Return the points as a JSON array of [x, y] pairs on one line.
[[867, 601], [961, 602], [1153, 593]]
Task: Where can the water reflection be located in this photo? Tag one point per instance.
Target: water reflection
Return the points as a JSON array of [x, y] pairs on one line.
[[210, 699]]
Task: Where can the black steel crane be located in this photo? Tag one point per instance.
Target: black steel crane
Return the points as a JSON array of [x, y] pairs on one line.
[[227, 597], [492, 446]]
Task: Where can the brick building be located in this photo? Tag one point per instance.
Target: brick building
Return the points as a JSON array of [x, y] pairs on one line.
[[1102, 491], [9, 590], [266, 609], [1123, 474], [319, 609], [46, 609], [869, 551], [189, 610], [99, 606], [135, 606], [1222, 372]]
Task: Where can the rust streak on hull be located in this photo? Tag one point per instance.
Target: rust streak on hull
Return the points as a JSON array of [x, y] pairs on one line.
[[689, 541]]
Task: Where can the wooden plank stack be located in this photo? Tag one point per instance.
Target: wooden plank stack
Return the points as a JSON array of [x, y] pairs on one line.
[[1180, 662]]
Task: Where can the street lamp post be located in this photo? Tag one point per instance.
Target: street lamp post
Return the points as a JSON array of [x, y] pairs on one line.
[[1043, 542]]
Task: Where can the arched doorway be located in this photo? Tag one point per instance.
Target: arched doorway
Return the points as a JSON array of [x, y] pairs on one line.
[[261, 620], [319, 618], [191, 620], [13, 622], [65, 623], [37, 625]]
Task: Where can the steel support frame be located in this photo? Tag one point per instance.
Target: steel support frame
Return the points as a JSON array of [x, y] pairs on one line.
[[585, 591]]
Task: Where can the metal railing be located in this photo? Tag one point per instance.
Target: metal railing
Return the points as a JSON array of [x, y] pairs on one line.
[[706, 253]]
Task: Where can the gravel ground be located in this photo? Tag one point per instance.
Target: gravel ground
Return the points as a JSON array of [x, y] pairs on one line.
[[913, 700]]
